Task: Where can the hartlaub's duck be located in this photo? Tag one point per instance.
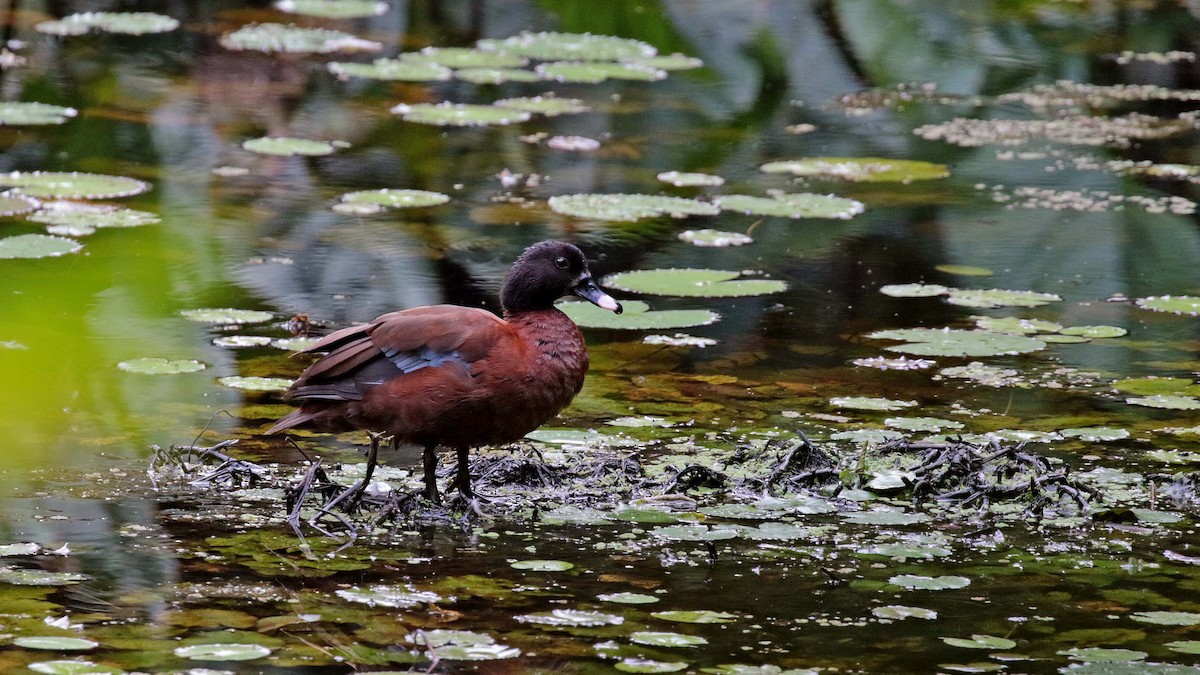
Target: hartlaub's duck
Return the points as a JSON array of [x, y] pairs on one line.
[[455, 376]]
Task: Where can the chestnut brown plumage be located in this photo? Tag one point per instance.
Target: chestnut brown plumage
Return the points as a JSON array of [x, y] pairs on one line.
[[455, 376]]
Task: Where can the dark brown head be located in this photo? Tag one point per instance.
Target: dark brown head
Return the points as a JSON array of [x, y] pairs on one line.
[[544, 273]]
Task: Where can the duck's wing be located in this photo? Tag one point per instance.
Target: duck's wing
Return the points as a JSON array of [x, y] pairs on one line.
[[359, 358]]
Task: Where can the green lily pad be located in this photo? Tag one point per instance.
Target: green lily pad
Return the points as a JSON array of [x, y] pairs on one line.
[[72, 667], [333, 9], [666, 639], [496, 75], [226, 315], [393, 70], [574, 618], [899, 612], [37, 246], [667, 62], [980, 642], [1184, 646], [459, 114], [995, 297], [708, 238], [686, 179], [463, 645], [255, 383], [23, 548], [1168, 618], [693, 533], [32, 113], [957, 342], [1160, 517], [462, 57], [293, 344], [627, 598], [1091, 654], [129, 23], [14, 203], [1094, 434], [68, 216], [628, 207], [388, 596], [694, 616], [1179, 304], [548, 105], [569, 46], [542, 565], [965, 270], [883, 517], [55, 643], [280, 38], [285, 146], [637, 316], [72, 185], [640, 665], [919, 551], [222, 652], [870, 403], [396, 198], [799, 205], [1095, 332], [917, 290], [692, 283], [237, 341], [1016, 325], [160, 366], [1159, 401], [1157, 386], [866, 169], [592, 72], [917, 582], [28, 577], [930, 424], [869, 436]]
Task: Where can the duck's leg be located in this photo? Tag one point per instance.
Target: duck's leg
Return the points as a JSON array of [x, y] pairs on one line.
[[463, 480], [431, 488]]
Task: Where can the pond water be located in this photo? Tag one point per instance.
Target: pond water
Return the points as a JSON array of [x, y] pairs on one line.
[[1056, 146]]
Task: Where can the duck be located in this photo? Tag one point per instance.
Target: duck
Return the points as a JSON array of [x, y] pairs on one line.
[[453, 376]]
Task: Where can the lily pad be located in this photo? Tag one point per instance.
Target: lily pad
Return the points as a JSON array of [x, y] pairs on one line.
[[593, 72], [1016, 325], [463, 645], [627, 598], [666, 639], [76, 216], [462, 57], [280, 38], [692, 283], [640, 665], [957, 342], [694, 616], [256, 383], [980, 642], [686, 179], [1184, 646], [129, 23], [72, 667], [571, 618], [1092, 654], [1168, 618], [32, 113], [1160, 401], [160, 366], [916, 290], [550, 46], [637, 316], [14, 203], [333, 9], [30, 577], [459, 114], [548, 105], [930, 424], [55, 643], [37, 246], [992, 298], [965, 270], [1094, 434], [226, 315], [388, 596], [394, 70], [496, 75], [693, 533], [1154, 386], [917, 582], [285, 146], [884, 517], [396, 198], [1179, 304], [870, 403], [72, 185], [628, 207], [573, 143], [898, 612], [666, 62], [542, 565], [798, 205], [708, 238], [237, 341], [1095, 332], [865, 169], [222, 652]]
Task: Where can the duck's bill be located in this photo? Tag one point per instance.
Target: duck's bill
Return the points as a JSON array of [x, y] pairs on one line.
[[588, 290]]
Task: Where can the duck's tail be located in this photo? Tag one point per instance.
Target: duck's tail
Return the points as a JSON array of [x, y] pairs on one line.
[[291, 420]]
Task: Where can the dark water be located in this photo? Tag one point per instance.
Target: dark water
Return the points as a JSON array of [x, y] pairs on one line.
[[75, 430]]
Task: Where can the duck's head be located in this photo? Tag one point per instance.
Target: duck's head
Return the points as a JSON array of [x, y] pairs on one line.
[[547, 271]]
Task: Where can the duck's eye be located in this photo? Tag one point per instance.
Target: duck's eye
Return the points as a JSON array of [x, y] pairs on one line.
[[561, 263]]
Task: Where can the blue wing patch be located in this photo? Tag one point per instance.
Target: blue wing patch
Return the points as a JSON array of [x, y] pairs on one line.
[[408, 361]]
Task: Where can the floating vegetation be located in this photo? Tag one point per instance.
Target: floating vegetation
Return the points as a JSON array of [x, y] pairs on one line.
[[31, 113], [678, 340], [930, 424], [226, 315], [333, 9], [569, 46], [1177, 304], [994, 297], [859, 169], [593, 72], [798, 205], [714, 238], [237, 341], [1076, 95], [14, 203], [898, 363], [72, 667], [1095, 434], [255, 383], [462, 645], [55, 643], [980, 373], [222, 652], [570, 618], [900, 612], [1118, 132], [916, 582], [547, 104], [459, 114], [628, 207], [965, 270], [694, 616], [462, 57], [665, 639], [692, 283], [980, 642], [686, 179], [573, 143], [395, 198], [1172, 56], [1167, 402], [1167, 618], [161, 366], [627, 598], [275, 37], [397, 70], [129, 23], [957, 342], [542, 565], [77, 219], [870, 403], [285, 146], [915, 290], [1150, 386], [637, 316], [33, 577], [37, 246], [62, 185], [669, 62], [388, 596], [496, 75], [1029, 197]]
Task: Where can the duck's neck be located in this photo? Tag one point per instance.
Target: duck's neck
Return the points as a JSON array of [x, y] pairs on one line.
[[554, 335]]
